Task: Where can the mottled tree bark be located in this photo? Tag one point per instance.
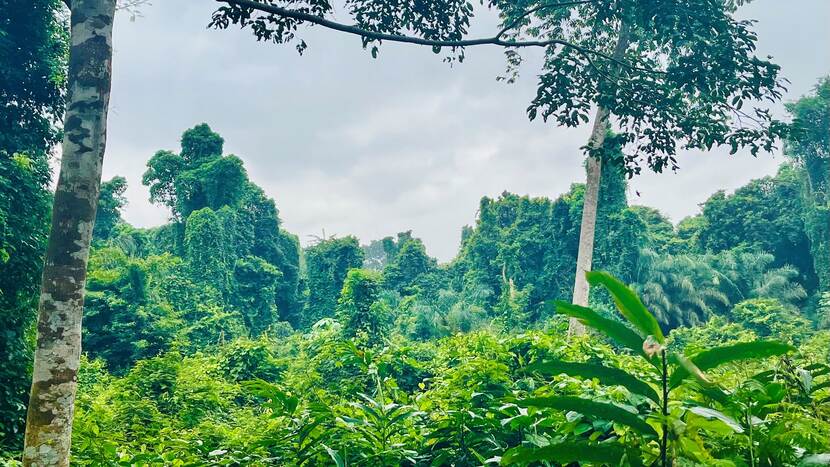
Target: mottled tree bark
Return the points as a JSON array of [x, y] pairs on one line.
[[593, 169], [51, 403], [585, 255]]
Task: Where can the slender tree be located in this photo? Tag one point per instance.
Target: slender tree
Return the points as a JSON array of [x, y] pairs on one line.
[[51, 402], [593, 179]]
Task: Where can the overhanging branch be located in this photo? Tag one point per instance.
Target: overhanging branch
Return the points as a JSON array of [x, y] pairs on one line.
[[494, 40]]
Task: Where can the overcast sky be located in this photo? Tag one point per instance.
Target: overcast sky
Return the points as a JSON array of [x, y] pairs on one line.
[[368, 147]]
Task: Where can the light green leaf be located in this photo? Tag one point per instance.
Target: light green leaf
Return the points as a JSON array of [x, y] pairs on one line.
[[628, 303], [718, 356], [617, 331], [602, 410], [565, 453], [712, 414], [605, 375]]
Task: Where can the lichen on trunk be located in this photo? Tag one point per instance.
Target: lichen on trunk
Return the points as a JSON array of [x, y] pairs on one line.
[[54, 379]]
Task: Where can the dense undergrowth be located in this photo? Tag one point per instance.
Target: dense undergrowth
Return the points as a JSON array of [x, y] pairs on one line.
[[486, 397]]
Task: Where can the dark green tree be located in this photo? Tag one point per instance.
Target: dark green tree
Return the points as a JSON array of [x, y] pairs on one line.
[[327, 264], [24, 181], [255, 287], [34, 42], [198, 177], [764, 216], [247, 222], [659, 231], [208, 250], [809, 146], [111, 200], [408, 262], [362, 315], [124, 321]]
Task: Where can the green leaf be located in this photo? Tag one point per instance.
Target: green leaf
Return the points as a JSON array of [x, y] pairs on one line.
[[712, 414], [565, 453], [605, 375], [602, 410], [818, 369], [823, 385], [617, 331], [628, 303], [280, 401], [684, 364], [338, 461], [718, 356]]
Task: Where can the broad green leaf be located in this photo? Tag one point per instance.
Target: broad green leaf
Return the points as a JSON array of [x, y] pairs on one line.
[[765, 376], [280, 401], [602, 410], [818, 369], [718, 356], [617, 331], [628, 303], [823, 385], [338, 461], [684, 364], [712, 414], [565, 453], [605, 375]]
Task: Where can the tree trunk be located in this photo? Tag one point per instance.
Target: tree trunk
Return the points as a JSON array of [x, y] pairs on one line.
[[593, 169], [54, 380], [585, 256]]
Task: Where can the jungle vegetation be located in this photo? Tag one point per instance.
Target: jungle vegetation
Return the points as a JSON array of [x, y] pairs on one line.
[[216, 339], [219, 339]]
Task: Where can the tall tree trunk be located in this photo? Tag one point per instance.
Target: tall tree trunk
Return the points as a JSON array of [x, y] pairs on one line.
[[52, 398], [593, 169], [585, 255]]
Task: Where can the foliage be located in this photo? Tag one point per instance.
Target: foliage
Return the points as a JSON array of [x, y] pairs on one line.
[[769, 318], [363, 316], [111, 200], [763, 216], [327, 264], [34, 42], [24, 181], [322, 398], [408, 262], [809, 146], [686, 72]]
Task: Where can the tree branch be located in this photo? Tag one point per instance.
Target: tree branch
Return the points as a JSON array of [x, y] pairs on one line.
[[529, 12], [379, 36]]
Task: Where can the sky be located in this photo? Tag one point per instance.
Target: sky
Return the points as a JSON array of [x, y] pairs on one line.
[[350, 145]]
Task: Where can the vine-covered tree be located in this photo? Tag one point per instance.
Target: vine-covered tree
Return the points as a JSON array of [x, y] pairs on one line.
[[111, 201], [809, 146], [408, 261], [764, 216], [359, 310], [327, 263]]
